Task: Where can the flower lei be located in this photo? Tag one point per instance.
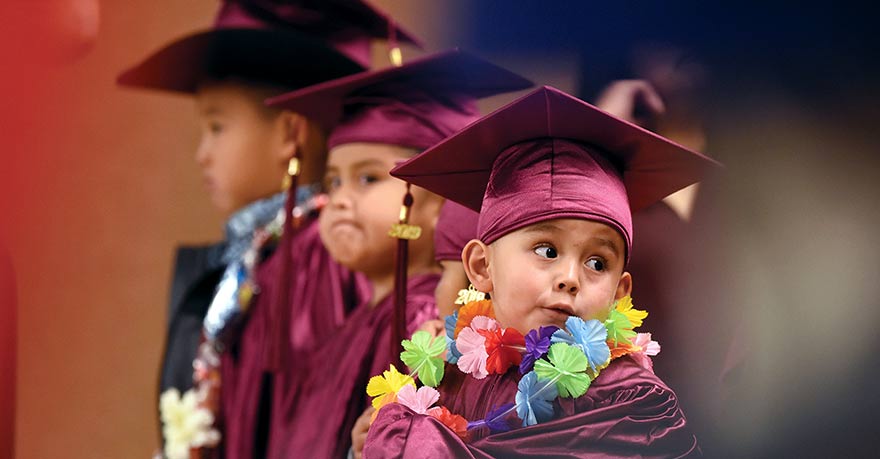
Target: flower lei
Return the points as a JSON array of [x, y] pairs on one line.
[[554, 363]]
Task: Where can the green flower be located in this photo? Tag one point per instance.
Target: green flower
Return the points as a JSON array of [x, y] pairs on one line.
[[567, 366], [424, 355], [620, 328]]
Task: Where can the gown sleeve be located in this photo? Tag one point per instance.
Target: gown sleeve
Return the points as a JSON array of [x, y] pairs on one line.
[[641, 421]]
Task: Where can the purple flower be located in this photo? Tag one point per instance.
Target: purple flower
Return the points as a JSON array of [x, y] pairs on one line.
[[537, 345], [497, 419]]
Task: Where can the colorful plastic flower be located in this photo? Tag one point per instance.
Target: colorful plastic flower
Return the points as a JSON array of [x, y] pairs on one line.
[[497, 420], [384, 388], [472, 346], [467, 313], [537, 344], [625, 307], [621, 349], [645, 349], [503, 347], [588, 336], [567, 368], [455, 422], [423, 354], [452, 353], [534, 399], [417, 400], [185, 424], [619, 327]]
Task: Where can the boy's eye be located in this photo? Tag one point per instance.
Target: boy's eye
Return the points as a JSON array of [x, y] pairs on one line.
[[596, 264], [367, 179], [331, 183], [546, 251], [215, 128]]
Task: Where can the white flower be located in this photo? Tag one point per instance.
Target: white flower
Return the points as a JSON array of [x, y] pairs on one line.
[[185, 424]]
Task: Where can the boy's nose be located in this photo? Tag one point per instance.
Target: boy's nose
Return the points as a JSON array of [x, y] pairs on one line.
[[340, 199], [567, 280], [202, 155]]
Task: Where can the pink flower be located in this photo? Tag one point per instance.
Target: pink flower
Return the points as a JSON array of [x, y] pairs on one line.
[[647, 348], [418, 400], [472, 346]]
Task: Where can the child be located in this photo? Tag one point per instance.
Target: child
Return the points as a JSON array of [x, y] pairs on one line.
[[247, 153], [377, 120], [555, 179]]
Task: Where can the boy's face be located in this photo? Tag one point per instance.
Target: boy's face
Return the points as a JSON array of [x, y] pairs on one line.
[[365, 201], [244, 146], [548, 271]]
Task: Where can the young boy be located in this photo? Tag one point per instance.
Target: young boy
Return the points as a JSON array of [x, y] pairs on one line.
[[254, 50], [376, 120], [555, 179]]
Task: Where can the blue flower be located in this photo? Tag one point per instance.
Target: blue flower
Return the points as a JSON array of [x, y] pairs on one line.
[[452, 354], [534, 399], [589, 336], [537, 345], [449, 324]]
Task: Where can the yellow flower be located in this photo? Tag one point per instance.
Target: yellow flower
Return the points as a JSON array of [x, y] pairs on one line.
[[625, 307], [384, 388], [185, 424]]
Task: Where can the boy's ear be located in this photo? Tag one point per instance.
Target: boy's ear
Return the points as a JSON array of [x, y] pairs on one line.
[[290, 126], [475, 258], [624, 286]]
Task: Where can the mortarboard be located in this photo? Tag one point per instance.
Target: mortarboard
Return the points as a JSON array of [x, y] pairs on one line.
[[416, 105], [289, 43], [456, 226], [550, 155]]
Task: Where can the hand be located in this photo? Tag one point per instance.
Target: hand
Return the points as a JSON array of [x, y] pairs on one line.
[[435, 327], [359, 432], [635, 101]]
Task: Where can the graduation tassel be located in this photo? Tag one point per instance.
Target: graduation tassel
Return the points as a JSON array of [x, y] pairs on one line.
[[404, 232], [394, 53], [280, 333]]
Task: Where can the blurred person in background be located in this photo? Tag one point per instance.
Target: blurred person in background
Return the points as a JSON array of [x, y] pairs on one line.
[[257, 161]]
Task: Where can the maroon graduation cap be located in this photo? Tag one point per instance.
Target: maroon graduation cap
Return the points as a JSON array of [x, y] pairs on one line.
[[290, 43], [550, 155], [416, 105]]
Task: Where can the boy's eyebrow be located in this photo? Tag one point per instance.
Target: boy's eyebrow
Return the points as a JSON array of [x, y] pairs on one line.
[[367, 162], [542, 227], [607, 243], [211, 110]]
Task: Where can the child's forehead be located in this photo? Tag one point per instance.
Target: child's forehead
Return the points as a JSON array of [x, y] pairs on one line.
[[574, 230], [228, 96], [365, 153]]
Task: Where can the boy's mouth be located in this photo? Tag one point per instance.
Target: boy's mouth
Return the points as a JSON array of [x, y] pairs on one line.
[[561, 308]]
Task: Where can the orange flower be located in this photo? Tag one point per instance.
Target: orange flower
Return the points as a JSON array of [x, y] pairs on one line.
[[621, 348], [473, 309], [455, 422]]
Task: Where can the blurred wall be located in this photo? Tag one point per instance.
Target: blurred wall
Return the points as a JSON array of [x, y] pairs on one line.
[[98, 185]]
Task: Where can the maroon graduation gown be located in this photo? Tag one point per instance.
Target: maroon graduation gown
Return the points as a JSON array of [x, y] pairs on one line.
[[333, 395], [322, 293], [627, 412]]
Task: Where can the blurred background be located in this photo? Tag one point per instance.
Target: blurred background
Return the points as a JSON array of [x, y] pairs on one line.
[[773, 272]]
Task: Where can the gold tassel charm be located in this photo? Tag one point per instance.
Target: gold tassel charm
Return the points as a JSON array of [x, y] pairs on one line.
[[402, 229], [469, 295]]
